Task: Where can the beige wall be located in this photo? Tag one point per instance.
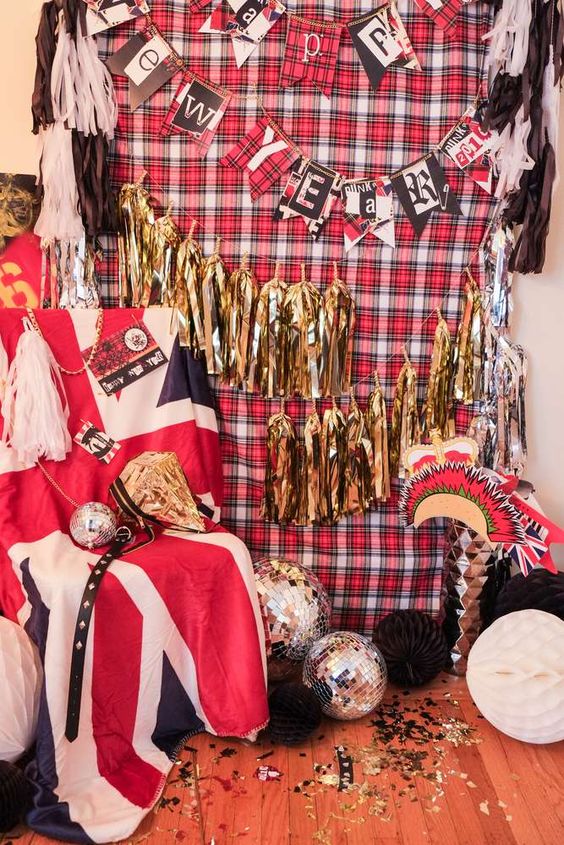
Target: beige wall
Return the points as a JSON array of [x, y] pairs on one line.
[[539, 301]]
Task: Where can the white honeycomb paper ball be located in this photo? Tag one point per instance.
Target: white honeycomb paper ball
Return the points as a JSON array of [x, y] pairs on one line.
[[516, 675], [21, 678]]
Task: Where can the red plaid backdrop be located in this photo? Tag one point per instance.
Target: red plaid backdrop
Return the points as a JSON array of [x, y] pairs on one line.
[[370, 564]]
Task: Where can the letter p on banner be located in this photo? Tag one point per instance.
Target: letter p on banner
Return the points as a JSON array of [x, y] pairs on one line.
[[311, 53]]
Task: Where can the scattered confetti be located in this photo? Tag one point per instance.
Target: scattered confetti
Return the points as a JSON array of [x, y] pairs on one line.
[[267, 773], [484, 808]]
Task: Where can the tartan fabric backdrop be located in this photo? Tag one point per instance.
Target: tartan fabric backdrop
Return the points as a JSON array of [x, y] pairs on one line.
[[370, 564]]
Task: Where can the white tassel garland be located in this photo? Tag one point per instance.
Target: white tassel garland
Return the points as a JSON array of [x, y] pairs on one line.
[[59, 217]]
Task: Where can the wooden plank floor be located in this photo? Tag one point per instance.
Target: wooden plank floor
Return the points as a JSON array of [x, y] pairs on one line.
[[427, 768]]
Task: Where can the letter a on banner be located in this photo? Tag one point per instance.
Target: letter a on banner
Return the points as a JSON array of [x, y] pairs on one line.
[[311, 53], [264, 153]]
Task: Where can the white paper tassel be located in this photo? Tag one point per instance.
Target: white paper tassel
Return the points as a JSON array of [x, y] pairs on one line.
[[509, 37], [59, 217], [4, 366], [35, 406], [511, 156]]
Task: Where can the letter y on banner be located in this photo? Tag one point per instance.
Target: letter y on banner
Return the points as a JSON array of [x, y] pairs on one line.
[[311, 53], [264, 153]]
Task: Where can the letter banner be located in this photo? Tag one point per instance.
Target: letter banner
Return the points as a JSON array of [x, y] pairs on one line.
[[368, 210], [103, 14], [444, 13], [148, 61], [468, 145], [422, 188], [310, 193], [311, 53], [380, 40], [246, 21], [196, 109], [264, 153]]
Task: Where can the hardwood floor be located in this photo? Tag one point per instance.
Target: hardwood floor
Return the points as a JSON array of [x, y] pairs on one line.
[[426, 768]]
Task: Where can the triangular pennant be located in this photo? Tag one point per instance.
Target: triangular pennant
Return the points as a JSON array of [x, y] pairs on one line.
[[422, 188], [311, 53], [148, 60], [196, 109], [310, 193], [264, 153], [444, 13], [103, 14], [381, 40], [468, 145], [248, 23], [368, 209]]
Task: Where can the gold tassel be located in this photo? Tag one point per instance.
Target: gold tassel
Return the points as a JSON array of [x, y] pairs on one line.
[[360, 461], [311, 472], [280, 497], [242, 301], [214, 296], [338, 333], [405, 420], [378, 431], [135, 228], [334, 462], [188, 298], [437, 412], [468, 350], [165, 240], [302, 338], [266, 372]]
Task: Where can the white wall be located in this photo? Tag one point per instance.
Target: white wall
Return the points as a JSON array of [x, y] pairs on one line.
[[539, 300]]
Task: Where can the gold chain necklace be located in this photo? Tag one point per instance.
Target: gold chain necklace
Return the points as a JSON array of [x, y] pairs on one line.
[[95, 345]]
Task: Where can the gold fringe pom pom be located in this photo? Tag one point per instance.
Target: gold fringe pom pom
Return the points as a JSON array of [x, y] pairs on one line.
[[188, 297], [160, 289], [266, 371], [468, 350], [302, 310], [334, 463], [241, 304], [311, 473], [337, 338], [214, 301], [437, 412], [360, 462], [280, 497], [378, 430], [405, 419], [135, 229]]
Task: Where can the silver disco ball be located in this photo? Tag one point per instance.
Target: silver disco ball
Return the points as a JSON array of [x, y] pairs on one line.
[[93, 524], [347, 673], [296, 611]]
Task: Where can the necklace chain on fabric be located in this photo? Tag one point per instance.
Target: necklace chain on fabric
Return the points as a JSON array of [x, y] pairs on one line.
[[56, 485], [95, 345]]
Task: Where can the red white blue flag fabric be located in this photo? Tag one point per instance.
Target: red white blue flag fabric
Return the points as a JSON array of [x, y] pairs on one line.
[[179, 618]]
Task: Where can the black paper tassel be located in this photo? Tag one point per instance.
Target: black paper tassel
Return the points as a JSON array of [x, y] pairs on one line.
[[45, 45], [15, 796], [540, 590], [413, 645], [97, 201], [295, 713]]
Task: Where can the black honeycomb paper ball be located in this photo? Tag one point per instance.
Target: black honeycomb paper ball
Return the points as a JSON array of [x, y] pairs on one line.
[[15, 796], [413, 645], [295, 713], [539, 590]]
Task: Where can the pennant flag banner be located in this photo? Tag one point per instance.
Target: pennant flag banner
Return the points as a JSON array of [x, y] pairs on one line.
[[442, 12], [311, 53], [422, 188], [103, 14], [380, 40], [310, 193], [197, 109], [264, 154], [247, 24], [468, 146], [148, 61], [368, 210]]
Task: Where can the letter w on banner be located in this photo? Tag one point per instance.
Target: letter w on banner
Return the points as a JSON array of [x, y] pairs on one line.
[[196, 109], [264, 153], [311, 53], [442, 12]]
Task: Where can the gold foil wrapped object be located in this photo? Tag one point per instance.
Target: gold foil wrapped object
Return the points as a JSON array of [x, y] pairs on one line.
[[188, 298], [405, 419], [280, 498], [337, 338], [266, 370], [311, 474], [335, 454], [156, 484], [239, 319], [303, 329], [16, 209], [360, 462], [378, 430], [438, 412], [468, 350], [160, 289], [135, 227], [214, 302]]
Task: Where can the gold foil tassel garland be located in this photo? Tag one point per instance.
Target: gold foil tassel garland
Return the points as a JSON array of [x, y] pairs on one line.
[[188, 298], [437, 412], [311, 475], [405, 419], [378, 430], [214, 296], [303, 319], [135, 226], [467, 356], [334, 463], [360, 462], [160, 287], [280, 497], [266, 370], [240, 315], [339, 308]]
